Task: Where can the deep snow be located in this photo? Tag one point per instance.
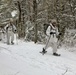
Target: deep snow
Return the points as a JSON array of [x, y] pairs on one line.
[[24, 59]]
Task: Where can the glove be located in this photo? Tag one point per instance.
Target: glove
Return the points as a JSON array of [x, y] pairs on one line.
[[15, 31], [60, 33]]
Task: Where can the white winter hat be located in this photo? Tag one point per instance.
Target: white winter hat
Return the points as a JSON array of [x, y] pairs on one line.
[[11, 20], [53, 21]]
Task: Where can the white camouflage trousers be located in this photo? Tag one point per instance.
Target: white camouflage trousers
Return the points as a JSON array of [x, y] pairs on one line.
[[10, 37], [51, 43]]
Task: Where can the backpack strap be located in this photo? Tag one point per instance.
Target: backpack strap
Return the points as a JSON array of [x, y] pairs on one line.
[[53, 30]]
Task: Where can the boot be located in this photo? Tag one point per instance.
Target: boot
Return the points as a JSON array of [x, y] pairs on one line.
[[56, 54], [12, 43], [8, 43], [44, 50], [0, 39]]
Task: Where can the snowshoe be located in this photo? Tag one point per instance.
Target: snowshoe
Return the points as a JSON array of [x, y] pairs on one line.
[[43, 52], [56, 54], [12, 43]]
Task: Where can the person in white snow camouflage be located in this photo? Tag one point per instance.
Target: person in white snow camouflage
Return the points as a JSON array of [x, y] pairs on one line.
[[1, 32], [10, 30], [52, 33]]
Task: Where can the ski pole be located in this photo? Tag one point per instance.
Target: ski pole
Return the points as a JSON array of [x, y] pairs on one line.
[[16, 38], [47, 42]]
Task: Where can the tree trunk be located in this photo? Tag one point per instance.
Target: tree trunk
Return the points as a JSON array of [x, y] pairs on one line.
[[21, 27], [19, 20], [34, 18]]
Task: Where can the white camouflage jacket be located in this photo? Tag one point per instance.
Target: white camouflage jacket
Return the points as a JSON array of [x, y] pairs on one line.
[[10, 28], [53, 37]]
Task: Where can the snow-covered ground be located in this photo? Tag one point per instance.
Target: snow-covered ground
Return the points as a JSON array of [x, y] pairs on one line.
[[24, 59]]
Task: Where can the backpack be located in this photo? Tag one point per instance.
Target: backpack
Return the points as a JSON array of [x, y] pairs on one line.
[[45, 28]]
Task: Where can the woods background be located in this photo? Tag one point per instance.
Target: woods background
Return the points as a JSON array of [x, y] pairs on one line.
[[30, 15]]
